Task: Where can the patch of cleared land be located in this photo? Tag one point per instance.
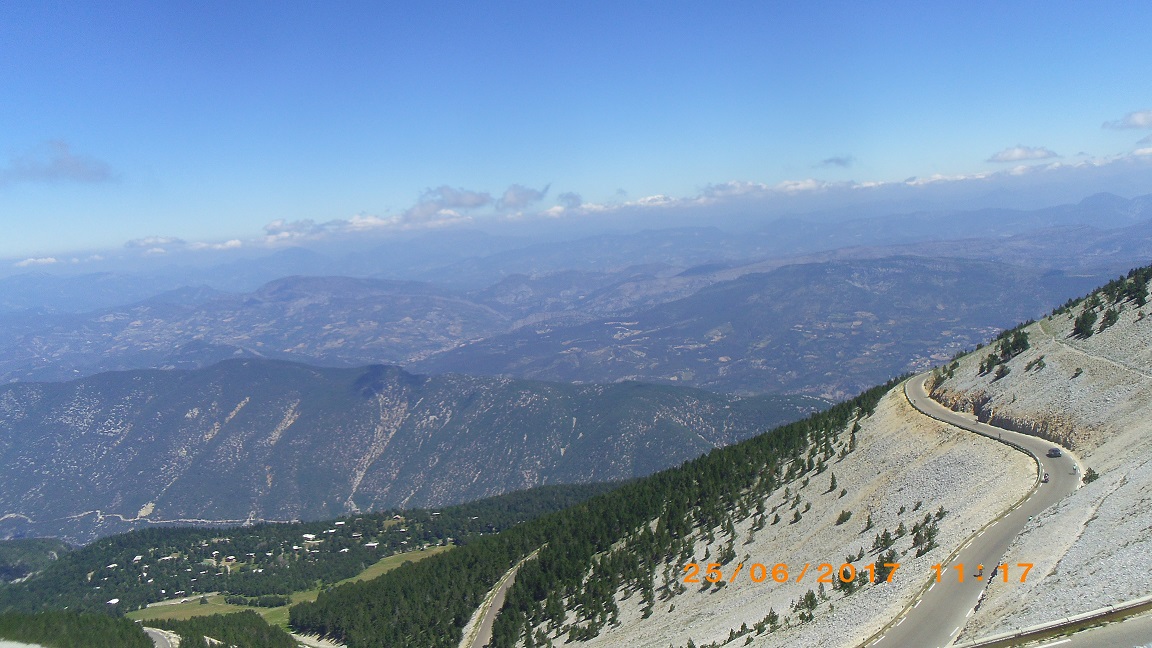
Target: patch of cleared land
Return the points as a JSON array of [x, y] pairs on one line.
[[277, 616], [903, 458], [1094, 395]]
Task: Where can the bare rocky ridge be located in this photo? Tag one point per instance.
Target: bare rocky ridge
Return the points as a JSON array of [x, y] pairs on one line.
[[903, 458], [1095, 395], [251, 440]]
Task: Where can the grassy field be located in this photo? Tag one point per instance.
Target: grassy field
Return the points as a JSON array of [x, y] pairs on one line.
[[277, 616]]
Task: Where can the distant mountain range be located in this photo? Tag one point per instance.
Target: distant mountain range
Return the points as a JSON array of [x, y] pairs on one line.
[[248, 440], [643, 323], [825, 329], [468, 299]]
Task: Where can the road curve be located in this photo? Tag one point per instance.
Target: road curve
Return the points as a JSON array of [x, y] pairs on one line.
[[159, 639], [937, 618], [481, 633]]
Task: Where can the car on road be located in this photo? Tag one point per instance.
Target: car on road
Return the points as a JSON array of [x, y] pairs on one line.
[[1054, 452], [1045, 478]]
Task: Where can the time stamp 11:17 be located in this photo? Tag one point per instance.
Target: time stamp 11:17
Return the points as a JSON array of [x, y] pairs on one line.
[[847, 572]]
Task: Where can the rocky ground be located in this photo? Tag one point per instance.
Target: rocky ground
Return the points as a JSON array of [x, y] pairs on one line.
[[904, 461], [1095, 396]]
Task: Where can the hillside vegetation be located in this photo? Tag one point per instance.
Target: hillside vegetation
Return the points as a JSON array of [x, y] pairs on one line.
[[428, 603], [21, 557], [70, 630], [1085, 381], [262, 564], [247, 441], [870, 481]]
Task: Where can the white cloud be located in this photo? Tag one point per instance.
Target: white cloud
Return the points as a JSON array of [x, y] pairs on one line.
[[54, 162], [439, 207], [153, 241], [1020, 153], [793, 186], [26, 263], [1138, 119], [733, 188], [226, 245], [1029, 183], [518, 197], [434, 201]]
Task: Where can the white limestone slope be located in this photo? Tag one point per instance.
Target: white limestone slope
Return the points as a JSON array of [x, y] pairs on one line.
[[902, 458], [1094, 395]]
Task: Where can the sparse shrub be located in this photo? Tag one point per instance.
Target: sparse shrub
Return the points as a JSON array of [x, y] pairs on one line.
[[1111, 316], [1090, 476], [1082, 328], [843, 517]]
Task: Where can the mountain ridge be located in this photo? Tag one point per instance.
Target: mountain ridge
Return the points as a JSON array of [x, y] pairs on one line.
[[254, 439]]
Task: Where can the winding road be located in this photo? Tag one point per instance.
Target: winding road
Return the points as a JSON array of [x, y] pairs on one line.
[[160, 639], [941, 611]]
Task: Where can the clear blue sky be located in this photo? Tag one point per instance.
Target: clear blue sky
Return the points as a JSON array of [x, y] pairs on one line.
[[209, 120]]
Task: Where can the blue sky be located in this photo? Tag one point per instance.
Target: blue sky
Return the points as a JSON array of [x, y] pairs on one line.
[[258, 122]]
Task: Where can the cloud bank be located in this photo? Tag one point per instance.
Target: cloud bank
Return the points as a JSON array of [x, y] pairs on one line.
[[1020, 153], [27, 263], [518, 197], [439, 207], [54, 162], [1138, 119]]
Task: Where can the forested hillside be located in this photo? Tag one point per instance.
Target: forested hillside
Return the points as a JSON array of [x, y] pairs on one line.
[[623, 537], [21, 557], [260, 440], [265, 560], [70, 630]]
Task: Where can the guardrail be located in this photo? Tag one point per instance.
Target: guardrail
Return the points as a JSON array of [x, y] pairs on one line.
[[1057, 626]]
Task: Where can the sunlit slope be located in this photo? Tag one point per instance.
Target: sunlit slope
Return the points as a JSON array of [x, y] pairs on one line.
[[250, 440], [1092, 393], [609, 571], [906, 466]]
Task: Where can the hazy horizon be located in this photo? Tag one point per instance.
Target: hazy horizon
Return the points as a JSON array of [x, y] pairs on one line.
[[219, 127]]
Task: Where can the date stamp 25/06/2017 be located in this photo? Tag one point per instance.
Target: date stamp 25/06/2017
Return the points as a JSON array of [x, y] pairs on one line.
[[847, 572]]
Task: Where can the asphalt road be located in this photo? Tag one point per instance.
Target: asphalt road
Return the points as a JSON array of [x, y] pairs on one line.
[[484, 631], [158, 638], [941, 612]]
